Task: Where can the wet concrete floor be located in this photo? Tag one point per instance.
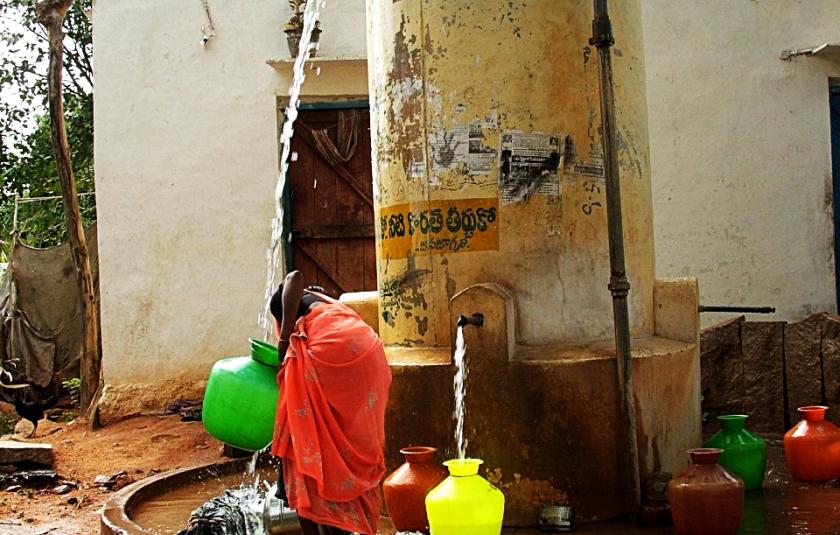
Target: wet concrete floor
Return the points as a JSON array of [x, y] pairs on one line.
[[782, 507]]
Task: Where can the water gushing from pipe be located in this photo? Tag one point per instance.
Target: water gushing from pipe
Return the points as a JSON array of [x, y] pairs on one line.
[[460, 392], [274, 253]]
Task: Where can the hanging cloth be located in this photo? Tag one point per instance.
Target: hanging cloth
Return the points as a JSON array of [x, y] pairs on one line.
[[347, 137]]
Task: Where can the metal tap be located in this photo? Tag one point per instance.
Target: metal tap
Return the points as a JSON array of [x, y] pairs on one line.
[[476, 319]]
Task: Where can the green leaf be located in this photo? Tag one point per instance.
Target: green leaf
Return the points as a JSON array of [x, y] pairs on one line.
[[27, 167]]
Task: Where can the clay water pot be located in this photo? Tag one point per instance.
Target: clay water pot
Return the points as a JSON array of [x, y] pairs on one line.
[[405, 490], [706, 499], [812, 447]]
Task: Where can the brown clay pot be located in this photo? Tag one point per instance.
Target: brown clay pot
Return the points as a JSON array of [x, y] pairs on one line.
[[405, 490], [812, 447], [706, 498]]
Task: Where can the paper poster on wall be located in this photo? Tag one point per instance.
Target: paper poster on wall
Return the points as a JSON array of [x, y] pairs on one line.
[[529, 164], [462, 147]]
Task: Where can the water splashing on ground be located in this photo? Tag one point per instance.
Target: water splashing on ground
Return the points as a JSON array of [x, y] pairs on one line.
[[275, 267], [460, 392], [238, 511], [251, 471]]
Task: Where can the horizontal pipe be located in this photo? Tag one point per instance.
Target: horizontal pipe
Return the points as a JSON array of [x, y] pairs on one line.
[[745, 310]]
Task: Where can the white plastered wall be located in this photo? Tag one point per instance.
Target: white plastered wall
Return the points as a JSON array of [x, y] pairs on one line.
[[186, 165], [740, 150]]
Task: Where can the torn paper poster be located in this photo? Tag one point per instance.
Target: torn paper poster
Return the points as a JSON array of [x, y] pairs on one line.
[[462, 147], [530, 163], [593, 169]]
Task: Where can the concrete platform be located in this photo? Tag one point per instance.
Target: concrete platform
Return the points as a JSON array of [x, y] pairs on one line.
[[12, 452], [545, 418]]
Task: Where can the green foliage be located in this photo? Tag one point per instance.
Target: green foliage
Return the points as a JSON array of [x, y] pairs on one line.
[[67, 416], [27, 167], [7, 423], [73, 388], [298, 8]]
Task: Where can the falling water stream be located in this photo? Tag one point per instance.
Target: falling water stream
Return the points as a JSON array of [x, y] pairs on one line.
[[274, 253], [460, 392], [241, 506]]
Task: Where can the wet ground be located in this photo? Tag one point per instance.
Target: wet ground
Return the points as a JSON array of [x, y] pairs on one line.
[[782, 507]]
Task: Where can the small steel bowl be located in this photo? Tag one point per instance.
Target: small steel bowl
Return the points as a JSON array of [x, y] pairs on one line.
[[557, 518]]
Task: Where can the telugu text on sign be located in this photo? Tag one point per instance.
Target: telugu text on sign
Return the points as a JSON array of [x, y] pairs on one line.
[[438, 227]]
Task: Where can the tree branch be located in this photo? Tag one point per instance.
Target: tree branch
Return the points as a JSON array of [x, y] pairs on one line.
[[51, 15], [75, 61], [79, 88]]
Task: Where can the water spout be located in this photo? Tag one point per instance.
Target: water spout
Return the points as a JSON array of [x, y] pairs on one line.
[[476, 319]]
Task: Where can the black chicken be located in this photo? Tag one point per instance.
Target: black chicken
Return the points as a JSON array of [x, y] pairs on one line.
[[14, 389], [33, 410]]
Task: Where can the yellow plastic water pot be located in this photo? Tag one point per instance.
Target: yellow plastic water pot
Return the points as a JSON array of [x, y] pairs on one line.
[[465, 503]]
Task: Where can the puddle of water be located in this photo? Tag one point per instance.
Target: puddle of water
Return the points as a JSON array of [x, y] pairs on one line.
[[790, 507], [800, 509], [168, 512]]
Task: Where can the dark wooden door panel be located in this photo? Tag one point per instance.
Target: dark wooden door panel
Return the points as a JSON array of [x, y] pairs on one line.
[[332, 207]]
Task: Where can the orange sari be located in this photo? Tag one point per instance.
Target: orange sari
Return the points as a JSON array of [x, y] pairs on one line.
[[330, 423]]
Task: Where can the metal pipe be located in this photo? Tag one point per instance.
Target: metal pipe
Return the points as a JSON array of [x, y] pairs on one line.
[[619, 286], [476, 319], [728, 308]]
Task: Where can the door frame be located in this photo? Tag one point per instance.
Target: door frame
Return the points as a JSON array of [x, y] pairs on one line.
[[282, 103], [834, 145]]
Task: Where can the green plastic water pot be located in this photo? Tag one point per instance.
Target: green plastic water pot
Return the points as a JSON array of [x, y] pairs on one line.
[[241, 398], [744, 453]]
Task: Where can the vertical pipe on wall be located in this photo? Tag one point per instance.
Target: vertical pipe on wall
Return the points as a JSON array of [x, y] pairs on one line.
[[602, 39]]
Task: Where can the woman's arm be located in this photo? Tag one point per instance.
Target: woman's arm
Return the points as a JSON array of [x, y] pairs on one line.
[[292, 294]]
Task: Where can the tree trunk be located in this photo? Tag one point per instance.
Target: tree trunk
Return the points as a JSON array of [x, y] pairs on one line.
[[51, 15]]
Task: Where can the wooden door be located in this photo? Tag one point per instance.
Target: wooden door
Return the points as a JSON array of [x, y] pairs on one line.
[[331, 203]]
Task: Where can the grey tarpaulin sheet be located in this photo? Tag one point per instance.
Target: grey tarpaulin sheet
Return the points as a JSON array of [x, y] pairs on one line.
[[41, 311]]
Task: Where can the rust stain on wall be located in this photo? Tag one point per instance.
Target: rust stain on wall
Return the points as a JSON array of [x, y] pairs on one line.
[[405, 114], [525, 495]]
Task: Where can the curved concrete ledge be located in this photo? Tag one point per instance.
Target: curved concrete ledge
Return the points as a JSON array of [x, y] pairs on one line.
[[115, 518]]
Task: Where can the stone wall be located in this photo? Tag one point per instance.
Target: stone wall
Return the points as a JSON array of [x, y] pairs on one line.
[[768, 369]]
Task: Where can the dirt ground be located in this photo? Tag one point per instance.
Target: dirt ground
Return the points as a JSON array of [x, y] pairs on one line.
[[142, 446]]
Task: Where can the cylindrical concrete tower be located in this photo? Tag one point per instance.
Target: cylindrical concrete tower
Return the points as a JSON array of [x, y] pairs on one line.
[[488, 168]]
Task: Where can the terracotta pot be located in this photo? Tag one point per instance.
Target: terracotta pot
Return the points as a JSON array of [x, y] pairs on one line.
[[812, 447], [706, 498], [293, 36], [406, 489]]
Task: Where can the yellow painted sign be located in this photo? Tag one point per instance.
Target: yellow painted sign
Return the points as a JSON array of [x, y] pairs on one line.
[[438, 227]]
